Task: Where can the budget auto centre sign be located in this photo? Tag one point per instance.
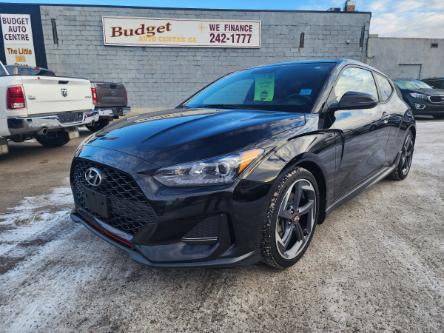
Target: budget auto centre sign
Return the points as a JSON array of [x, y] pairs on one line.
[[142, 31], [17, 39]]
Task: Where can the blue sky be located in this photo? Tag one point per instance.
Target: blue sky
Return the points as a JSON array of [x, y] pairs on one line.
[[404, 18]]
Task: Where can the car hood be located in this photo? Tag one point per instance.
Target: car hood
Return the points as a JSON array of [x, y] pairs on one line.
[[180, 135], [428, 91]]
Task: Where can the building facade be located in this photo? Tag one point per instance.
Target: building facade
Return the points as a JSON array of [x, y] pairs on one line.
[[72, 42], [407, 58]]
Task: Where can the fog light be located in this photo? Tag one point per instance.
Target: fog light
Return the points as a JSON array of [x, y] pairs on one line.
[[419, 106]]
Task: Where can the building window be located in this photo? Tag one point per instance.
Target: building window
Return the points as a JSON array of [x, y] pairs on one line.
[[434, 45], [301, 40], [361, 40], [55, 37]]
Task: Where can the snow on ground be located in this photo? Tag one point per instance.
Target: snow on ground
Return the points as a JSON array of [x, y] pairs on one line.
[[33, 215], [375, 264]]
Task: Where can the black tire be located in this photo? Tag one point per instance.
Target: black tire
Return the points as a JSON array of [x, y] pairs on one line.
[[405, 161], [271, 255], [97, 125], [53, 139]]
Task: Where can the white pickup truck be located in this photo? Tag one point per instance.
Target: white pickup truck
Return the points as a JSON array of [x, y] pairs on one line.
[[47, 108]]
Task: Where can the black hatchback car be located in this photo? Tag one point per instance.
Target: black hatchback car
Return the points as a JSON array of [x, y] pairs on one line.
[[422, 98], [435, 82], [245, 169]]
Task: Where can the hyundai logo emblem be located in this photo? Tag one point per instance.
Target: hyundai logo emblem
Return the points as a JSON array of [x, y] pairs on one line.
[[64, 92], [93, 177]]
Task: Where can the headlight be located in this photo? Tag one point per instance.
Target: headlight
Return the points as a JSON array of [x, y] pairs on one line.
[[218, 170], [418, 96]]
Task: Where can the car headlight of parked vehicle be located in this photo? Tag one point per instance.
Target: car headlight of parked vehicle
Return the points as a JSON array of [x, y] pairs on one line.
[[213, 171], [418, 96]]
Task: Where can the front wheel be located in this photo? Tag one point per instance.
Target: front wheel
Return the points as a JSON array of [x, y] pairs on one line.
[[405, 161], [292, 216], [53, 139]]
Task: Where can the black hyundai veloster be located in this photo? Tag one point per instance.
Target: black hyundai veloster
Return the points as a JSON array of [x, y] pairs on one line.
[[245, 169]]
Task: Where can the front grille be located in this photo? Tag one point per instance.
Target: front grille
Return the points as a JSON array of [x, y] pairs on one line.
[[70, 117], [437, 99], [129, 209]]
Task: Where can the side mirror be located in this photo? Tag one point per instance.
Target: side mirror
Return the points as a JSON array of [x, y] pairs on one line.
[[355, 100]]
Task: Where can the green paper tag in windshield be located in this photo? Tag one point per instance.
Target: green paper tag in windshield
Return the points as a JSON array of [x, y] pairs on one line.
[[264, 88]]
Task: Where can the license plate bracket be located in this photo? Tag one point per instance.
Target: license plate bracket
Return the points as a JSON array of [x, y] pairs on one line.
[[96, 203]]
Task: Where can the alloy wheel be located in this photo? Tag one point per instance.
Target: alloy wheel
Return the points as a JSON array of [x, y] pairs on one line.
[[296, 218], [407, 154]]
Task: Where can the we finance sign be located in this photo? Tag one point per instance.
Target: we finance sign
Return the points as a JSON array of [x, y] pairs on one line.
[[141, 31], [17, 39]]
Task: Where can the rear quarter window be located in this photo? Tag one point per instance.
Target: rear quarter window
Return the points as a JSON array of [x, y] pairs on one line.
[[385, 87]]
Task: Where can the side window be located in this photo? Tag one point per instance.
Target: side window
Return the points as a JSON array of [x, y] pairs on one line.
[[385, 87], [355, 79]]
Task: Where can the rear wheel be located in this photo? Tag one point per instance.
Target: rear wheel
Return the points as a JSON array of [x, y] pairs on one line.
[[292, 216], [405, 161], [53, 139], [97, 125]]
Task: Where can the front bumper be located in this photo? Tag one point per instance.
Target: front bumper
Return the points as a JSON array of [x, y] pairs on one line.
[[135, 251], [33, 124], [427, 108], [187, 227]]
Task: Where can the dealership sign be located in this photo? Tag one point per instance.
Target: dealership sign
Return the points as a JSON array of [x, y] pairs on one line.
[[17, 39], [141, 31]]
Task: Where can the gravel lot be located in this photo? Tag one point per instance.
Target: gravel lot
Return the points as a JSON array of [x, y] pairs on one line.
[[375, 264]]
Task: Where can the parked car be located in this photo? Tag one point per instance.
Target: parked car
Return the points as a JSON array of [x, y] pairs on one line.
[[27, 70], [436, 82], [47, 108], [246, 168], [111, 102], [422, 98]]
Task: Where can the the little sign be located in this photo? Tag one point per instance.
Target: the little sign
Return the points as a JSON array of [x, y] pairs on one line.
[[17, 39]]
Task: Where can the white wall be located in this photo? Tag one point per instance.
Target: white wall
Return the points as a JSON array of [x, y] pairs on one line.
[[406, 57]]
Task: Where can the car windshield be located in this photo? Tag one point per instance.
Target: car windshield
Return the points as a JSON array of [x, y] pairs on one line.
[[412, 84], [284, 87], [32, 71]]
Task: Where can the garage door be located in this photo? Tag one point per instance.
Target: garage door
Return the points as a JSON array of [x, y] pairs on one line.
[[409, 71]]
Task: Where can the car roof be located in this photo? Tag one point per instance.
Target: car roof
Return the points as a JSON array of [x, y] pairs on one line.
[[339, 62], [26, 66]]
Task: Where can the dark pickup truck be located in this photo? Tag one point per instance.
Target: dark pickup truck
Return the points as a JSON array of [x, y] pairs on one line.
[[111, 102]]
